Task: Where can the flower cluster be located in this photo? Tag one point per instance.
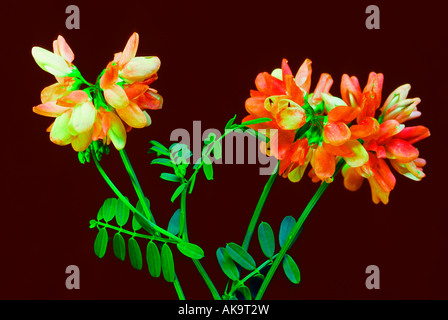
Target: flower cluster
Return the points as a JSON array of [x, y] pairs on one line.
[[104, 111], [318, 128]]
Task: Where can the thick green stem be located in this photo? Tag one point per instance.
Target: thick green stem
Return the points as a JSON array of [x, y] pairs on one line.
[[136, 184], [197, 263], [176, 283], [254, 220], [293, 233]]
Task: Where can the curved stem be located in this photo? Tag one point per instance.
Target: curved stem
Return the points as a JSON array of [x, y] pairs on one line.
[[176, 283], [130, 206], [254, 220], [294, 231]]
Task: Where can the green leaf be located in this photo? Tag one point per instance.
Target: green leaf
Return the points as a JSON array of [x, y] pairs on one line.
[[217, 150], [241, 256], [158, 144], [153, 259], [285, 229], [243, 293], [100, 244], [167, 263], [192, 181], [121, 213], [266, 238], [119, 246], [109, 208], [291, 269], [135, 225], [227, 264], [170, 177], [178, 191], [99, 216], [159, 151], [208, 171], [190, 250], [173, 225], [230, 123], [256, 121], [135, 254], [163, 162]]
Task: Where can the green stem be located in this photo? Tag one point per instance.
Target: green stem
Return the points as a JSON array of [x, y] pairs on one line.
[[130, 206], [254, 220], [136, 184], [176, 283], [135, 234], [250, 275], [294, 231], [197, 263]]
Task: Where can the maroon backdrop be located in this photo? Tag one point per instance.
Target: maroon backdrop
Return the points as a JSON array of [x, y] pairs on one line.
[[211, 53]]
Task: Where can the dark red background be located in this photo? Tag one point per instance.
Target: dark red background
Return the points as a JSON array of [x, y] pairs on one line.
[[211, 53]]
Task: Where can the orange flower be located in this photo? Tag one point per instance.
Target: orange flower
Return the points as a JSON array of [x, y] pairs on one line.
[[391, 141], [125, 83], [280, 96], [341, 140]]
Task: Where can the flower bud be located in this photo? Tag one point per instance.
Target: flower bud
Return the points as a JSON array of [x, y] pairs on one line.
[[140, 68], [50, 62]]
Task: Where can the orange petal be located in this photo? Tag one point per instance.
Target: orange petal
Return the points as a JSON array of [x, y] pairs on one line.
[[117, 131], [361, 156], [387, 130], [73, 99], [133, 116], [255, 107], [352, 179], [336, 133], [59, 133], [56, 91], [350, 90], [135, 90], [82, 118], [280, 142], [293, 91], [378, 194], [413, 134], [401, 150], [61, 48], [140, 69], [269, 85], [82, 141], [130, 50], [342, 113], [50, 109], [110, 76], [323, 163], [290, 115], [303, 76], [286, 70], [150, 100], [367, 127], [116, 96], [384, 176], [341, 151], [323, 86]]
